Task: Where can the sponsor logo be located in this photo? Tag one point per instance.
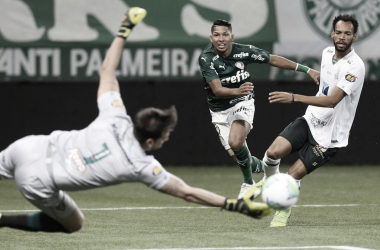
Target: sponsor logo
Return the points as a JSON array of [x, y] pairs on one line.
[[321, 13], [317, 123], [215, 57], [314, 164], [157, 170], [239, 65], [336, 76], [117, 104], [330, 51], [223, 66], [241, 55], [203, 58], [257, 57], [212, 66], [241, 75], [74, 156], [241, 109], [319, 150], [325, 88], [351, 78]]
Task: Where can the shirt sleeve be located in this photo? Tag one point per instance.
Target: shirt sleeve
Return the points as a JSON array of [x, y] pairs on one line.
[[154, 175], [258, 55], [352, 78], [110, 104], [207, 68]]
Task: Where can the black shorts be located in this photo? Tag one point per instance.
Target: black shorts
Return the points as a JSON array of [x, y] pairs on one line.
[[311, 154]]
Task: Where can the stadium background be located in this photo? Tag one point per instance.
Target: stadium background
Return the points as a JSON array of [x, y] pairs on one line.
[[51, 51]]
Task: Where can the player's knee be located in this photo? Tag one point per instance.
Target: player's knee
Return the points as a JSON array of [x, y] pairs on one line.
[[77, 224], [235, 144], [273, 153], [76, 227]]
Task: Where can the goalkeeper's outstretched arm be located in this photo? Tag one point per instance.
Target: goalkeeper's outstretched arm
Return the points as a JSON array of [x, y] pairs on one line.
[[177, 187]]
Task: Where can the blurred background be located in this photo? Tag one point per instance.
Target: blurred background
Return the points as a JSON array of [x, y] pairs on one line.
[[51, 53]]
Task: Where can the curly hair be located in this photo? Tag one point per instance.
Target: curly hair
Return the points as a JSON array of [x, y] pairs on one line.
[[346, 18]]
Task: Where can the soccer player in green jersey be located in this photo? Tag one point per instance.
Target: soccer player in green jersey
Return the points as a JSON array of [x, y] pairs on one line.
[[230, 92]]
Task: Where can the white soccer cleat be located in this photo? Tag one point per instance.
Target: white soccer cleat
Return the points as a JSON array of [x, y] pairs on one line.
[[244, 187]]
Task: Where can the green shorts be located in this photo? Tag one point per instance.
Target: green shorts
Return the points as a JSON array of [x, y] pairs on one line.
[[311, 154]]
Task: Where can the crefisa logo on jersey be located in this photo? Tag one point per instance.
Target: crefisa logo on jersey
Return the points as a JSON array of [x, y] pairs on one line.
[[322, 13]]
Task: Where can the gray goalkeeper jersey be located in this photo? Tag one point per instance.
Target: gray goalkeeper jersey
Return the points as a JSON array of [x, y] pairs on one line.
[[104, 153]]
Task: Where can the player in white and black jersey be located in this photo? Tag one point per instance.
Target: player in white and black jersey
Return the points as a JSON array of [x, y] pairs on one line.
[[111, 150], [326, 125]]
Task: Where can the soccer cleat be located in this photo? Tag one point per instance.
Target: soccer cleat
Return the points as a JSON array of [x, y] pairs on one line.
[[244, 187], [245, 206], [258, 186], [130, 19], [257, 165], [280, 218]]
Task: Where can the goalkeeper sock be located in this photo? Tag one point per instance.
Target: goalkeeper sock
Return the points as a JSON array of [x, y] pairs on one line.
[[271, 166], [243, 159], [130, 19], [32, 222]]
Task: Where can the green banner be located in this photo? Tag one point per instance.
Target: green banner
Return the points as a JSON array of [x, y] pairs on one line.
[[67, 40]]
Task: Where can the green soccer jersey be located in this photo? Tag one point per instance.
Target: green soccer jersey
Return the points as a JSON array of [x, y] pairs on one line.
[[230, 70]]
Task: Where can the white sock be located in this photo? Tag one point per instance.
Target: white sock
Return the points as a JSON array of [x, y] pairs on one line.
[[298, 183], [271, 166]]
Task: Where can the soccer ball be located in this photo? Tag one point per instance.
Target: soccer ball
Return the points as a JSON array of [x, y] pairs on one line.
[[280, 191]]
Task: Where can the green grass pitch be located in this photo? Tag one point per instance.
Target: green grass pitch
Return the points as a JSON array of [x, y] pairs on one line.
[[132, 216]]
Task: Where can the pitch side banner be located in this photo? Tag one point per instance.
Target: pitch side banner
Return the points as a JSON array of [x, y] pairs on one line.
[[54, 40]]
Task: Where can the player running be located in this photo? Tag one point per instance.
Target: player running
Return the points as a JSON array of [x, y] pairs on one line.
[[111, 150], [326, 125], [230, 93]]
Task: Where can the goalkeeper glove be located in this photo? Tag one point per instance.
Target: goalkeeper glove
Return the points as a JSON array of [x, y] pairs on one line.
[[254, 209], [130, 19]]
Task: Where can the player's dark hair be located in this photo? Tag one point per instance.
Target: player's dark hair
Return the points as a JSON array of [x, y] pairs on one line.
[[347, 18], [153, 122], [221, 22]]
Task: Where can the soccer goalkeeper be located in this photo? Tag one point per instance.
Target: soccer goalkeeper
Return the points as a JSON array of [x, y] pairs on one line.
[[111, 150]]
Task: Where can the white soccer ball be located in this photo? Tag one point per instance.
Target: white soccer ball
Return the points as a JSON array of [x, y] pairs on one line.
[[280, 191]]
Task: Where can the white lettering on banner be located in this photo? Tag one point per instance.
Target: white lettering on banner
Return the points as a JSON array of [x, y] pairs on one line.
[[13, 62], [153, 62], [78, 58], [94, 63], [24, 30], [46, 62], [130, 67], [254, 13], [73, 27], [179, 60]]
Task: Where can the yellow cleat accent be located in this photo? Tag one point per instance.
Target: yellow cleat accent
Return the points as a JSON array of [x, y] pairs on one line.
[[252, 193], [280, 218]]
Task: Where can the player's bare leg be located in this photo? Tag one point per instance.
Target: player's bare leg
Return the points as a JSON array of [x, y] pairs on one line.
[[238, 133], [281, 217]]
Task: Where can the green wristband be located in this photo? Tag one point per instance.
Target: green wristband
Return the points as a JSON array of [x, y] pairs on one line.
[[302, 68]]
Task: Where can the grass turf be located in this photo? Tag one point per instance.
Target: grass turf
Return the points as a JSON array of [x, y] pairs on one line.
[[356, 225]]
